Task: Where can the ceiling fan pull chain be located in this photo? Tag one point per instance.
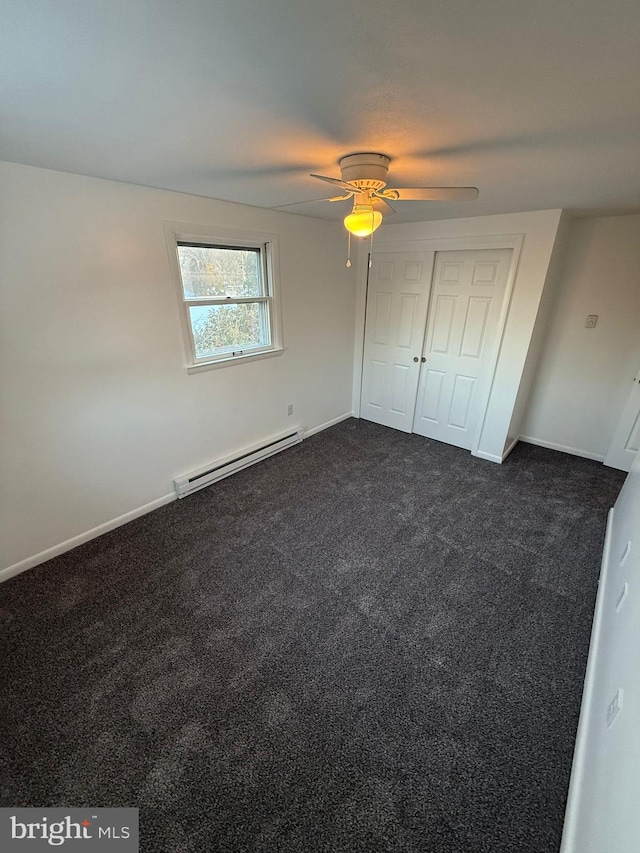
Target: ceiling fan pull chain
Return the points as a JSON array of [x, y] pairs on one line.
[[349, 250], [371, 243]]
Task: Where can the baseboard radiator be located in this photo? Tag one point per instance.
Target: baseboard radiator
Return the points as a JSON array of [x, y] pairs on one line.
[[221, 468]]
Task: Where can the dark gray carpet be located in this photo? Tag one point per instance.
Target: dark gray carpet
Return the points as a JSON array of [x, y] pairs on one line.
[[370, 642]]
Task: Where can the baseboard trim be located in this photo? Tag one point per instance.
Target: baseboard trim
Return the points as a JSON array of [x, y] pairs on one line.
[[332, 422], [490, 457], [510, 447], [551, 445], [69, 544], [493, 457], [576, 783]]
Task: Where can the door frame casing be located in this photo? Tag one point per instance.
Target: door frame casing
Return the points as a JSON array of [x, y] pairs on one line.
[[440, 244]]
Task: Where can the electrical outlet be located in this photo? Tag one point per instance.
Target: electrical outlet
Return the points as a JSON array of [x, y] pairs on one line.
[[592, 319], [290, 409], [615, 706]]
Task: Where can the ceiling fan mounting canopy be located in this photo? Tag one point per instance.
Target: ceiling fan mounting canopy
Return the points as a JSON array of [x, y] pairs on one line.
[[365, 171]]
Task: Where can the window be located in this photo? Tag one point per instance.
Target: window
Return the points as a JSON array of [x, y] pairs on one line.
[[226, 289]]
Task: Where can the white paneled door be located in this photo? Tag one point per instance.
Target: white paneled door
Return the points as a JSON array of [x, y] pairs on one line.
[[429, 340], [397, 299], [466, 297], [626, 439]]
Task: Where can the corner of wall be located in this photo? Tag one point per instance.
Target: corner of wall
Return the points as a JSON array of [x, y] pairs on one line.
[[540, 330], [539, 233]]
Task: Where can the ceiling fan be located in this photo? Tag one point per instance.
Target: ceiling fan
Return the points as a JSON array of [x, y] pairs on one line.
[[364, 179]]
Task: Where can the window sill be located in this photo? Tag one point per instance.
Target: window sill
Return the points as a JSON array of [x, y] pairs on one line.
[[227, 362]]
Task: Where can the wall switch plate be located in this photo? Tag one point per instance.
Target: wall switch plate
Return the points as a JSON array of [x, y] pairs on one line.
[[290, 409], [615, 706], [592, 319]]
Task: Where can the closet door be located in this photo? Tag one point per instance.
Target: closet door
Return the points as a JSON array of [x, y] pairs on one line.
[[466, 297], [397, 300], [626, 440]]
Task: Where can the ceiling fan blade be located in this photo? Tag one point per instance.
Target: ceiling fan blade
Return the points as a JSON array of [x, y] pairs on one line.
[[382, 205], [343, 184], [432, 193], [311, 201]]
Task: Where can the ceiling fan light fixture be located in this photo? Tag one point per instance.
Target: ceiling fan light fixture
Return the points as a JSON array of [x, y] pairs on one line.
[[363, 220]]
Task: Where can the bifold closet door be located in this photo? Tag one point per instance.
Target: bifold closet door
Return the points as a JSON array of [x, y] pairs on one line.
[[397, 301], [466, 297]]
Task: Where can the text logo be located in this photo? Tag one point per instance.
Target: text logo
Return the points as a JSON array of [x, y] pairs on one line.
[[100, 830]]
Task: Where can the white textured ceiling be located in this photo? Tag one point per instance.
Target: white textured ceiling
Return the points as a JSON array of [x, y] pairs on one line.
[[536, 103]]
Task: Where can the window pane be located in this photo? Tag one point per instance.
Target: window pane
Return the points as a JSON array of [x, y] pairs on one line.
[[226, 328], [212, 271]]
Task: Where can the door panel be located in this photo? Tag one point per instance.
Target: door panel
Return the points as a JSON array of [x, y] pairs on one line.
[[626, 439], [382, 311], [441, 329], [461, 401], [399, 390], [475, 327], [377, 384], [397, 300], [430, 401], [466, 297], [450, 272], [485, 272], [408, 306]]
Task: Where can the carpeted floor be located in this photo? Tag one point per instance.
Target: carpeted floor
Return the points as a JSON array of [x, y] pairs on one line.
[[370, 642]]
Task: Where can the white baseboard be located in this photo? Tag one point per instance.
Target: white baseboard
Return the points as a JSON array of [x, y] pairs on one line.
[[69, 544], [551, 445], [328, 424], [493, 457], [576, 784], [510, 447], [490, 457]]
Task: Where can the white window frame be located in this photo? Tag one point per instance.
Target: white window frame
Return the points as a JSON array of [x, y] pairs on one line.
[[267, 244]]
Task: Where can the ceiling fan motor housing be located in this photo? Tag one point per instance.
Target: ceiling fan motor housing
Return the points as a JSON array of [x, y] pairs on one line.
[[365, 171]]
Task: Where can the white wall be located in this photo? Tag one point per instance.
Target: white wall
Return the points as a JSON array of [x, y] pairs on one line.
[[584, 375], [98, 413], [602, 809], [539, 231], [538, 336]]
